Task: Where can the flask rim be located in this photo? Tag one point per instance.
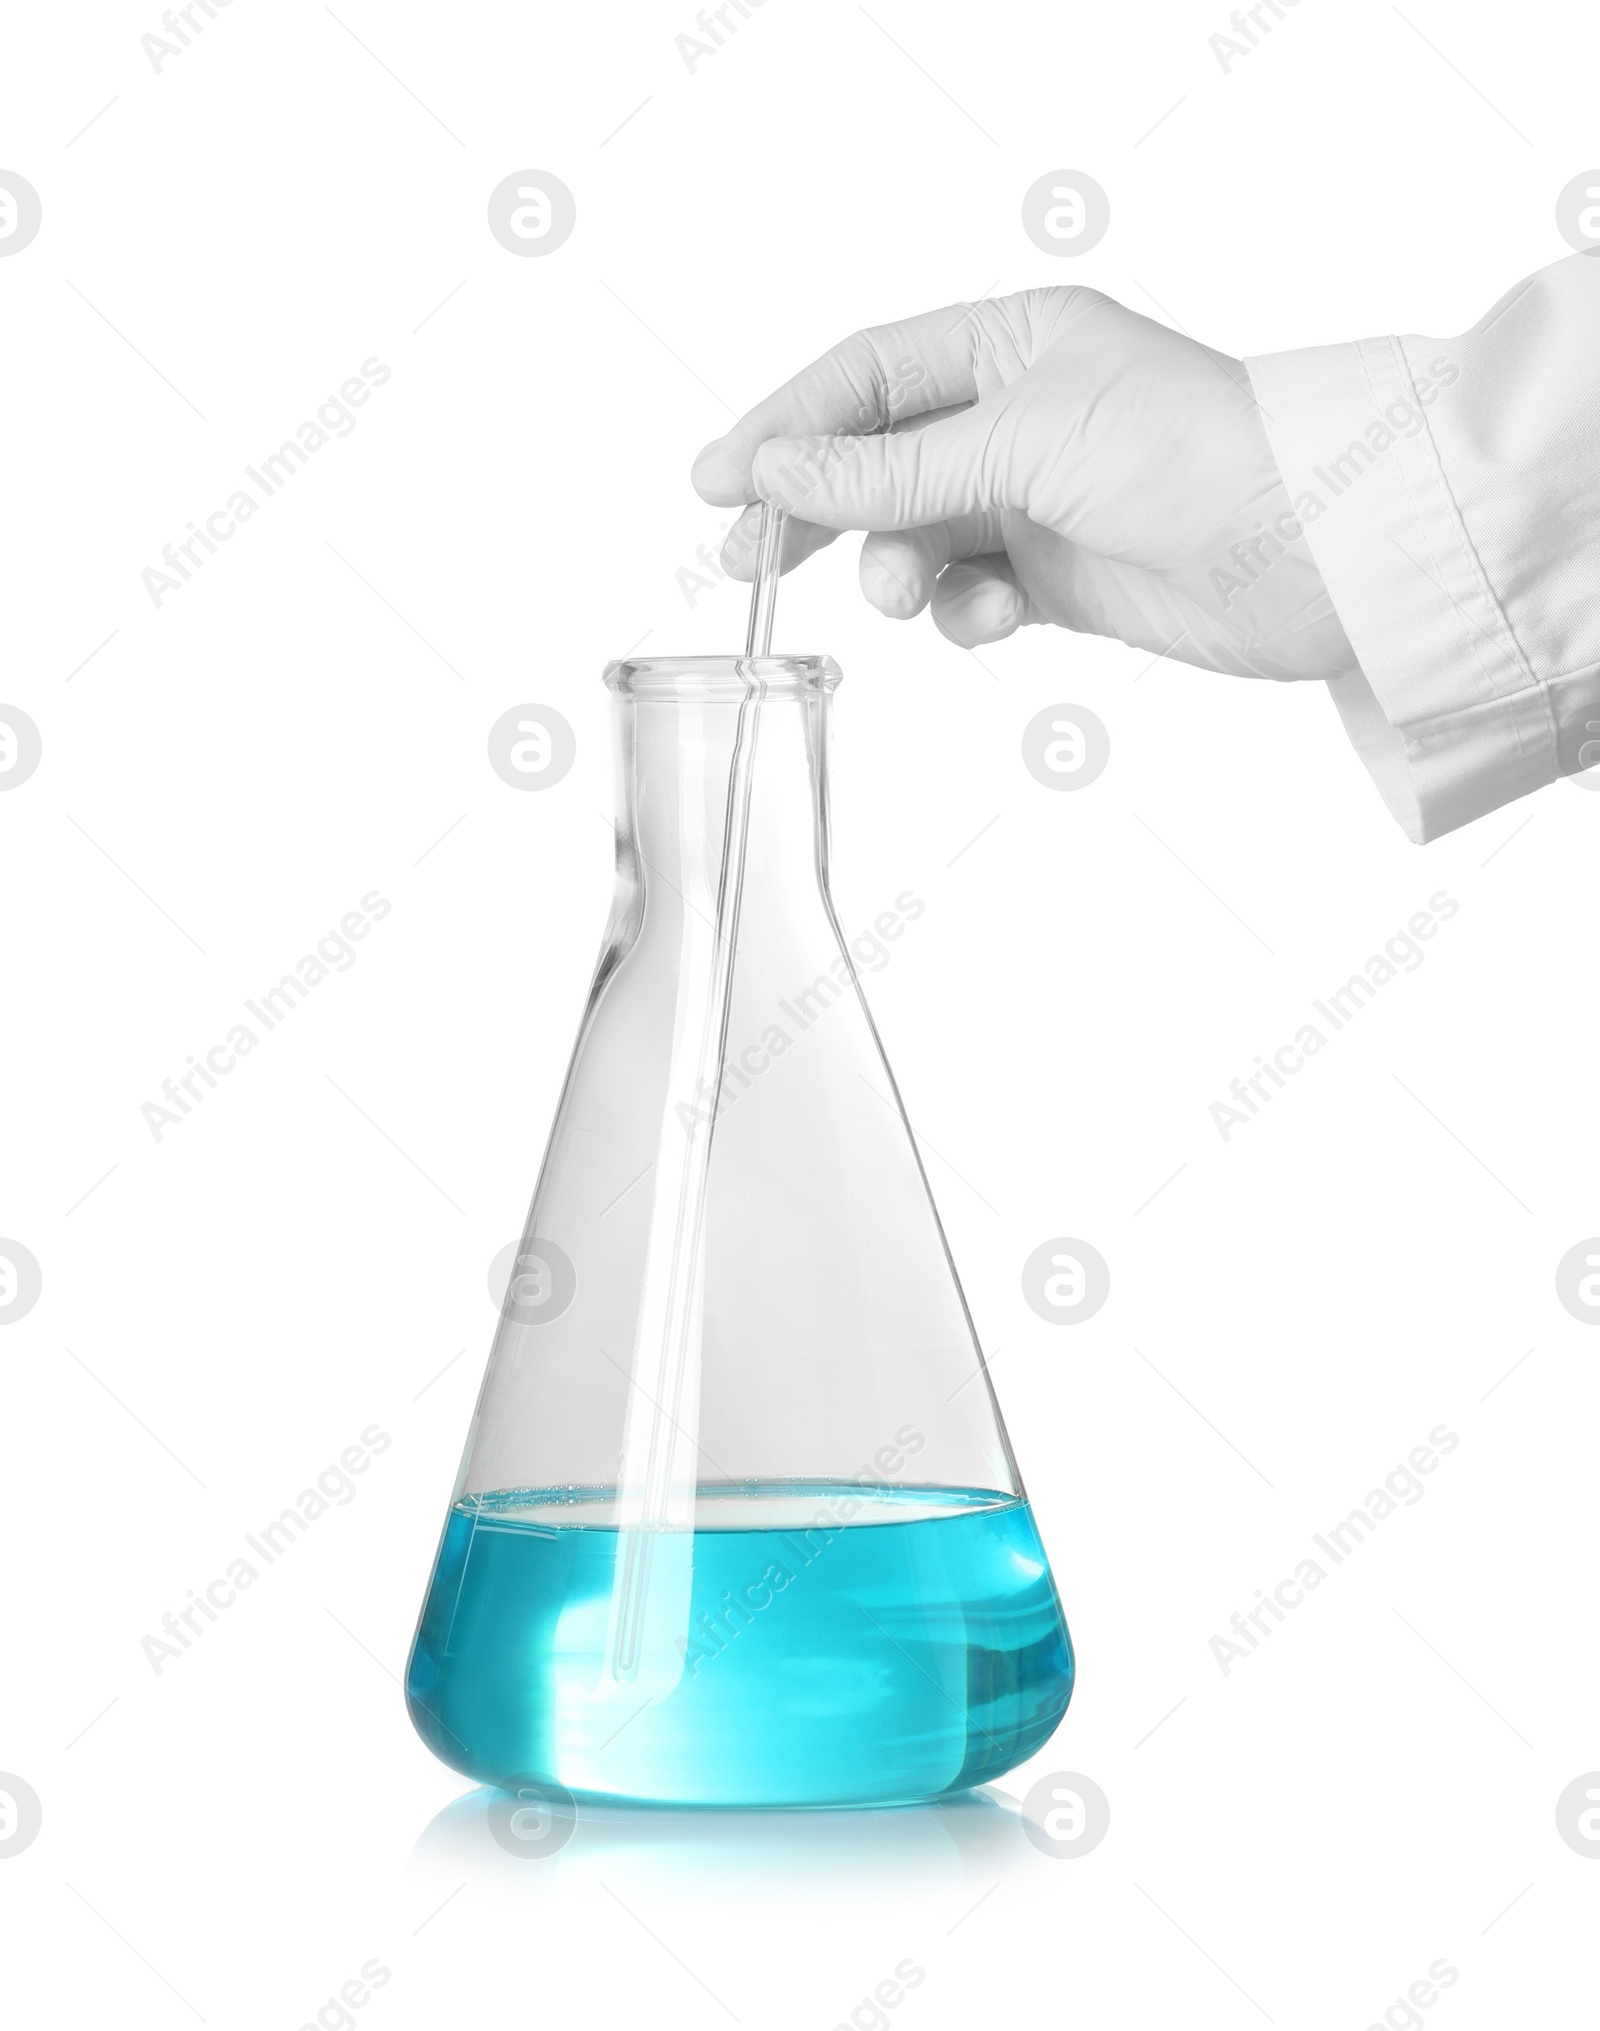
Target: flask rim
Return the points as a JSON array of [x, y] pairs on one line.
[[718, 679]]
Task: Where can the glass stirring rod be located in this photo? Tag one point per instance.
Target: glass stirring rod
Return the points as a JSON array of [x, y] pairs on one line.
[[764, 590], [658, 1483]]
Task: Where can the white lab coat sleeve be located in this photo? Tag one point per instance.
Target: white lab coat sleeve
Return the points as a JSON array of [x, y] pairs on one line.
[[1450, 493]]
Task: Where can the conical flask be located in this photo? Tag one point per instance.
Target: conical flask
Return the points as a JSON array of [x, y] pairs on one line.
[[738, 1522]]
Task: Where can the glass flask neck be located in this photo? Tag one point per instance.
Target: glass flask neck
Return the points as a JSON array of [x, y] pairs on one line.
[[694, 737]]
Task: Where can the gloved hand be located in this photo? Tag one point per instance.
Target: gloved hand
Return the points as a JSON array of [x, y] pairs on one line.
[[1049, 456]]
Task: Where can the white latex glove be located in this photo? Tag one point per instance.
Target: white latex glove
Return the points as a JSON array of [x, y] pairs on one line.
[[1052, 457]]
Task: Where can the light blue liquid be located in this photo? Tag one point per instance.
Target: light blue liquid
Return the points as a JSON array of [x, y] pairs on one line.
[[825, 1662]]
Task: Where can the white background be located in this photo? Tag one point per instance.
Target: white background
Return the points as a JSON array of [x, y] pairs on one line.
[[228, 774]]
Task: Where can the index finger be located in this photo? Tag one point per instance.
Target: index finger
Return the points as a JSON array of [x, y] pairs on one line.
[[872, 379]]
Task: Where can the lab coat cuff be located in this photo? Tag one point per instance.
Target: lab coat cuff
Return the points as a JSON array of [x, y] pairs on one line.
[[1445, 710]]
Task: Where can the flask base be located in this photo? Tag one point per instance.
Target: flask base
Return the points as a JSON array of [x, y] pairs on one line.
[[837, 1647]]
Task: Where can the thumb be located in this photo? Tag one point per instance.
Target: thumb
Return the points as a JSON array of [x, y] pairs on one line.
[[957, 466]]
